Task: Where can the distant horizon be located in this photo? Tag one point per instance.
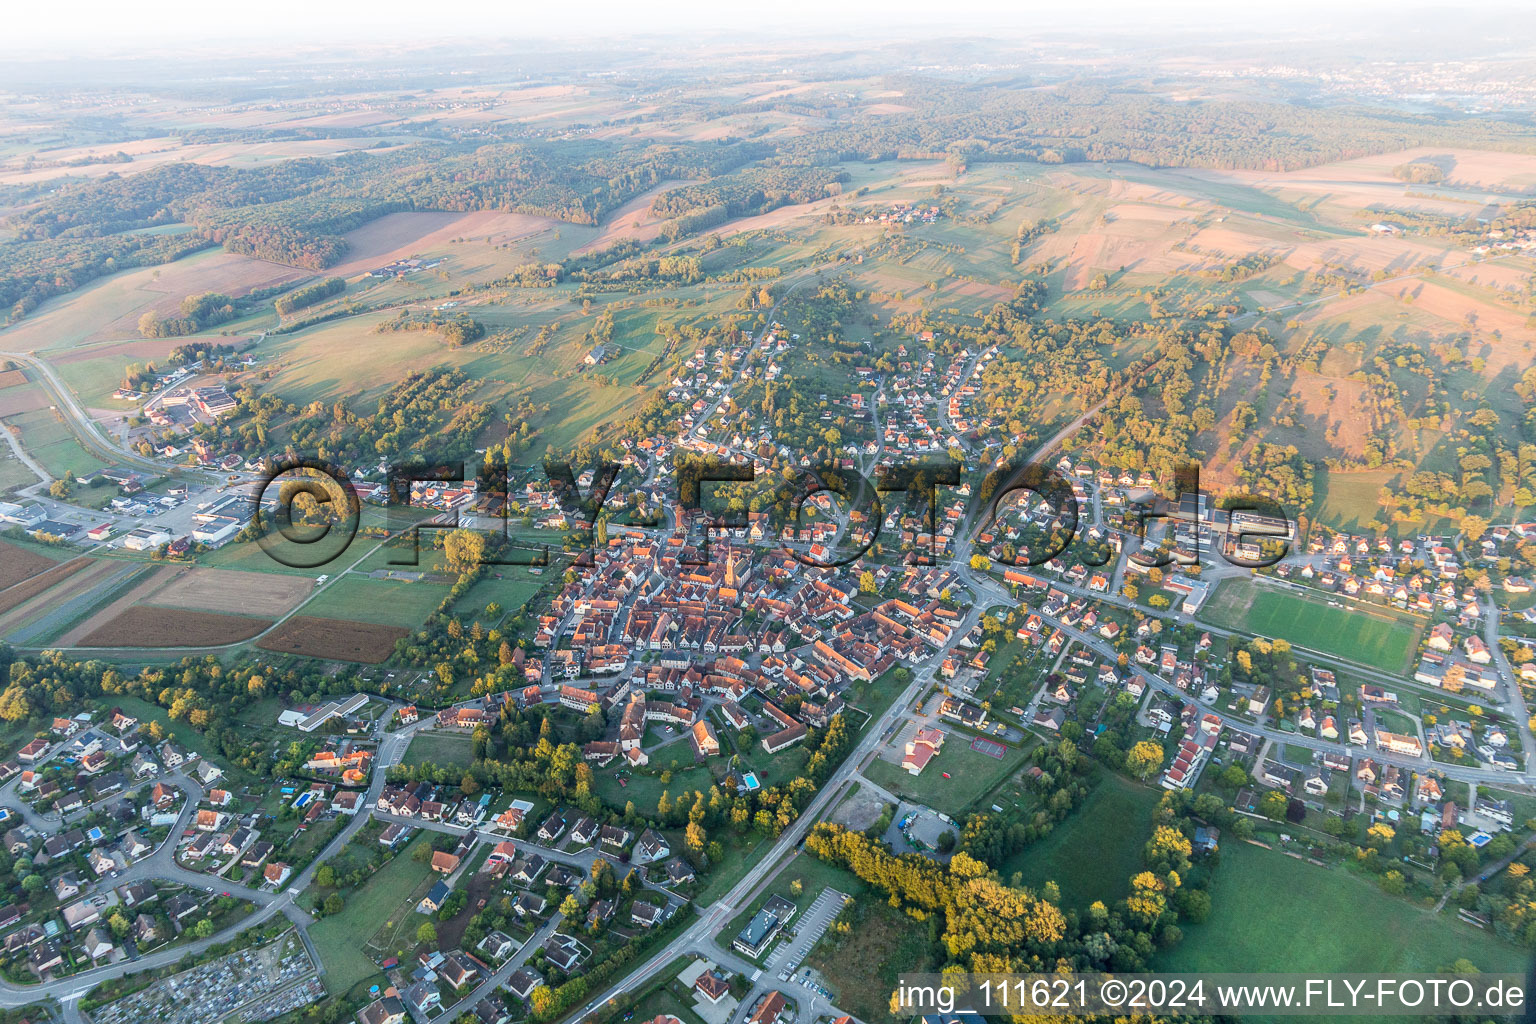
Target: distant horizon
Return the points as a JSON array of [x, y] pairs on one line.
[[170, 28]]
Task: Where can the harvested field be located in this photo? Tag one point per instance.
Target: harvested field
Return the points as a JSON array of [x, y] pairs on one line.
[[151, 581], [17, 564], [233, 592], [1460, 309], [173, 627], [336, 639], [108, 309], [14, 597], [17, 400], [632, 220], [10, 378], [398, 236]]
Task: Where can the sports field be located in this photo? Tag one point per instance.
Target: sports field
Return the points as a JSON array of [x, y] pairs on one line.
[[1373, 636]]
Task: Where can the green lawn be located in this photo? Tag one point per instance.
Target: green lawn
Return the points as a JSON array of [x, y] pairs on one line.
[[13, 472], [251, 556], [439, 748], [972, 775], [513, 592], [646, 790], [382, 900], [1093, 854], [1374, 636], [1271, 912], [1350, 500], [738, 859]]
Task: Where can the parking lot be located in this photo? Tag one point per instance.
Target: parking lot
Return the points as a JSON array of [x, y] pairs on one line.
[[804, 931], [916, 829], [173, 512]]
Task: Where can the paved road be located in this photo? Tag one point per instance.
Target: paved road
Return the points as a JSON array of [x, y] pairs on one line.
[[43, 476], [84, 427]]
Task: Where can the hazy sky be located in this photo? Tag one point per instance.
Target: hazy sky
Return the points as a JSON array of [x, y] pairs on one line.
[[76, 26]]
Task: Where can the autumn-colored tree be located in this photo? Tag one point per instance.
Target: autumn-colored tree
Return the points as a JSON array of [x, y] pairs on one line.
[[1144, 758]]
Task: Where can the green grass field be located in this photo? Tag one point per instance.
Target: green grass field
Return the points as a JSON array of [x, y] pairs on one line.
[[972, 774], [738, 859], [13, 472], [1276, 913], [646, 790], [387, 602], [250, 555], [47, 439], [439, 748], [1373, 636], [1093, 854], [1349, 500], [513, 591], [383, 900]]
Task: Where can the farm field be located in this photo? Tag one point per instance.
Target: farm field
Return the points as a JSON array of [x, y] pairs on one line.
[[1094, 852], [250, 556], [111, 602], [384, 602], [337, 639], [1349, 500], [972, 774], [1374, 636], [108, 309], [19, 602], [48, 440], [14, 474], [224, 590], [173, 627], [17, 564], [1265, 916]]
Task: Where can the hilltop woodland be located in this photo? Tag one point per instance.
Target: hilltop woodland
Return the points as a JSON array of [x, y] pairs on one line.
[[296, 212]]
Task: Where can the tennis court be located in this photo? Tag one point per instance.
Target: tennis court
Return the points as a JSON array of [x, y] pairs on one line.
[[991, 748]]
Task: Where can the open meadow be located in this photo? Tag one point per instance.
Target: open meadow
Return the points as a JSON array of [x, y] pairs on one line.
[[1271, 912], [1095, 851]]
